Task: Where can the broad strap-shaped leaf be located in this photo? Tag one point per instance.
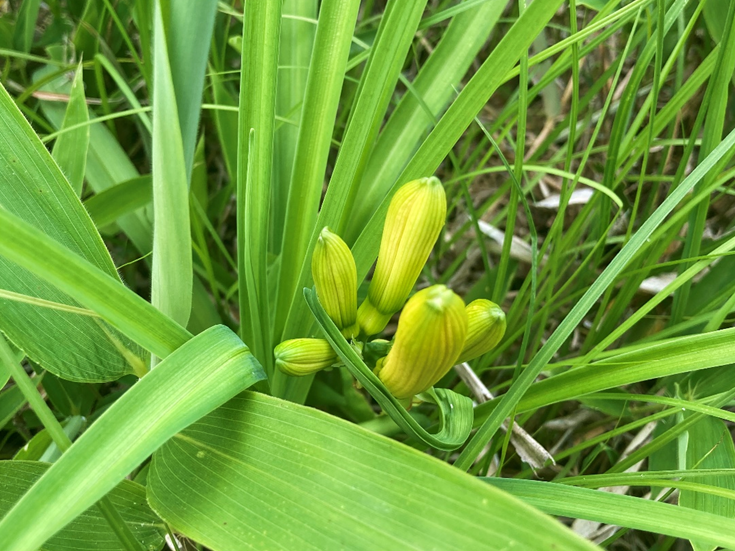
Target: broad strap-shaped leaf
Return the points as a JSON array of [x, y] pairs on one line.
[[262, 473], [90, 530], [456, 410], [627, 511], [171, 277], [201, 375], [33, 188]]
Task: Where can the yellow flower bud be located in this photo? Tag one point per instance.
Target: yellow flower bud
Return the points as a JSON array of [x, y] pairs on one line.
[[485, 328], [335, 277], [304, 356], [430, 335], [415, 217]]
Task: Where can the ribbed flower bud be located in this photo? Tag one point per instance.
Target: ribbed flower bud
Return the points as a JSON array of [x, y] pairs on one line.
[[415, 218], [430, 335], [304, 356], [485, 328], [335, 276]]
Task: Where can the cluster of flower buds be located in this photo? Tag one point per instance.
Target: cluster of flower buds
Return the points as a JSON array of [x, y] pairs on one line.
[[435, 329]]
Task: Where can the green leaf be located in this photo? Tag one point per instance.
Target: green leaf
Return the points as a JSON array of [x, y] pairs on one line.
[[70, 148], [188, 28], [260, 39], [709, 446], [42, 447], [107, 162], [202, 374], [594, 4], [171, 278], [458, 117], [296, 46], [395, 33], [715, 17], [669, 357], [455, 409], [23, 244], [321, 101], [435, 86], [11, 400], [119, 200], [627, 511], [25, 25], [511, 399], [328, 484], [33, 189], [90, 530]]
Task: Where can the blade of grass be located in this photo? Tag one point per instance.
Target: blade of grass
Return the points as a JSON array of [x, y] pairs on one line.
[[70, 149], [457, 118], [575, 316], [712, 135], [641, 514]]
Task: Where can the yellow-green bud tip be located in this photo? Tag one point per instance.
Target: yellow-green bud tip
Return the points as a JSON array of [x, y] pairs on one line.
[[301, 357], [485, 329], [335, 277], [430, 335], [415, 217]]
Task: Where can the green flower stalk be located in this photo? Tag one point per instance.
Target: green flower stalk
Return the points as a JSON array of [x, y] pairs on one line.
[[431, 333], [301, 357], [335, 277], [485, 328], [415, 217]]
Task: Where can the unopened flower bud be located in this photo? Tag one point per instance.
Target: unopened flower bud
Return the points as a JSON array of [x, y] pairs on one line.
[[304, 356], [430, 335], [335, 277], [415, 217], [485, 328]]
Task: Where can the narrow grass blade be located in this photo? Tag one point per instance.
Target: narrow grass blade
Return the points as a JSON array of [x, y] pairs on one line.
[[329, 484], [670, 357], [25, 25], [565, 328], [171, 278], [70, 148], [435, 86], [630, 512], [718, 92], [458, 117], [201, 375]]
